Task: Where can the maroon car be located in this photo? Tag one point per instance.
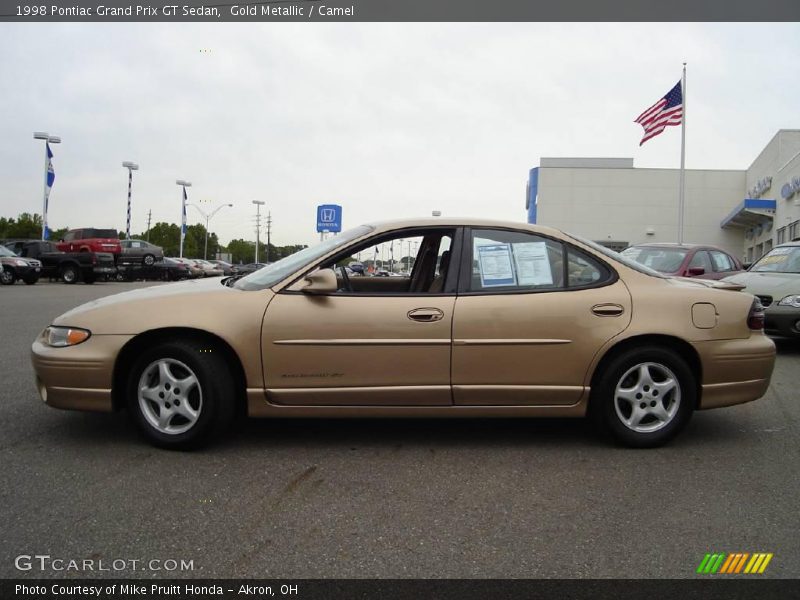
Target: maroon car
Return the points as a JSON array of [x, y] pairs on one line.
[[686, 260], [91, 239]]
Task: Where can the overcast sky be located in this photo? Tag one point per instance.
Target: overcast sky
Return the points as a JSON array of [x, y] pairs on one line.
[[389, 120]]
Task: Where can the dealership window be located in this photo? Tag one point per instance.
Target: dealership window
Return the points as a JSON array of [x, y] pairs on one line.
[[794, 230], [781, 235]]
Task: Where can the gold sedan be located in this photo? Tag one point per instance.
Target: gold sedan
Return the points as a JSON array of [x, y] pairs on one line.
[[487, 319]]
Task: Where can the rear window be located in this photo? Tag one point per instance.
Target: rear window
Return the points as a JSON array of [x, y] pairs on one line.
[[99, 233]]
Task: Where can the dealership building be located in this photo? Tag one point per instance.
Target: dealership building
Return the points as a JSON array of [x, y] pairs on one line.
[[610, 201]]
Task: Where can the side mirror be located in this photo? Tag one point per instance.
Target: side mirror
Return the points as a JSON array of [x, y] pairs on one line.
[[695, 271], [321, 281]]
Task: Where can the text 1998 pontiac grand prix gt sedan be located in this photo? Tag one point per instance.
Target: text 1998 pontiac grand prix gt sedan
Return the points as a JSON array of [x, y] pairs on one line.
[[493, 319]]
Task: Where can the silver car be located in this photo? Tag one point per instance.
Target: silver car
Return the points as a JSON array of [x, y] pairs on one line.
[[139, 252]]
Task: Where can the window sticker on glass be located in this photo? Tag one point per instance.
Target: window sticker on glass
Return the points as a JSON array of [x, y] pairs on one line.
[[532, 263], [495, 265]]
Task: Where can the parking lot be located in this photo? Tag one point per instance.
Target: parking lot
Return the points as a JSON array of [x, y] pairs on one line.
[[378, 498]]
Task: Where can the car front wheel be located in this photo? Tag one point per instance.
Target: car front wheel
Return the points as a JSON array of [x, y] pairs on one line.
[[180, 394], [7, 276], [645, 396], [149, 260]]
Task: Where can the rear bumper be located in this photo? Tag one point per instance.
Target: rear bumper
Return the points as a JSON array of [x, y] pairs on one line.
[[735, 371], [79, 377]]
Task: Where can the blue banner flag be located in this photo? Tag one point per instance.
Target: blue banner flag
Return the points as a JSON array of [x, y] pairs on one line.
[[51, 177]]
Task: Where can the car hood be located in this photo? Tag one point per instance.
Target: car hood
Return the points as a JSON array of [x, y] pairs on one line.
[[200, 304], [776, 285]]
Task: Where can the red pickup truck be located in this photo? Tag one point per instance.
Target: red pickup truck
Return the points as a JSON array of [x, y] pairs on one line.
[[90, 239]]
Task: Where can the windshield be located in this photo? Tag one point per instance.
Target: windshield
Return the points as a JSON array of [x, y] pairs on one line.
[[5, 251], [665, 260], [277, 271], [783, 259], [628, 262]]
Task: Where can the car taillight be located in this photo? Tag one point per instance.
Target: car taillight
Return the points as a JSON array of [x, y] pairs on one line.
[[755, 320]]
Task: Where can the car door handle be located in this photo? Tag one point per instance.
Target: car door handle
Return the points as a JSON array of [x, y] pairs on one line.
[[608, 310], [426, 315]]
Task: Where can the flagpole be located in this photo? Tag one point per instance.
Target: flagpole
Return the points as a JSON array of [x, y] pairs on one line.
[[682, 191]]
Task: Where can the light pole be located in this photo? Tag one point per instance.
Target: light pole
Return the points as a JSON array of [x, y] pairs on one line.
[[208, 218], [184, 184], [259, 204], [48, 181], [131, 166]]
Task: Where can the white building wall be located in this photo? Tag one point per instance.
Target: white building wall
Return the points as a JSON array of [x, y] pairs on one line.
[[623, 204]]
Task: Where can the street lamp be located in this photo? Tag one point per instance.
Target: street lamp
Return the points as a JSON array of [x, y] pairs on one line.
[[49, 139], [184, 184], [131, 166], [208, 218], [259, 204]]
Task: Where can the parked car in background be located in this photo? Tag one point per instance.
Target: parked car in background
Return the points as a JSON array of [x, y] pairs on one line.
[[551, 326], [139, 252], [194, 269], [250, 268], [227, 268], [170, 269], [18, 268], [775, 280], [90, 239], [685, 260], [70, 267], [209, 268]]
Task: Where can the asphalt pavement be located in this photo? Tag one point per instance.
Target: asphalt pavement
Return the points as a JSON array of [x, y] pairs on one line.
[[380, 498]]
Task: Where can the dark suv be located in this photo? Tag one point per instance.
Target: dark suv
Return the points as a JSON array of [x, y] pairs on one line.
[[16, 267]]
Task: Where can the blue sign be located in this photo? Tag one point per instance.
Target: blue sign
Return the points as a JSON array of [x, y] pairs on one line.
[[329, 218]]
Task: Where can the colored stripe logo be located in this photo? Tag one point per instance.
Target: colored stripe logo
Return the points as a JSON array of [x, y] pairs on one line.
[[735, 563]]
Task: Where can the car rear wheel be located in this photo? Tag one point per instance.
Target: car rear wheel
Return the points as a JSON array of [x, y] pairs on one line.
[[7, 276], [149, 260], [645, 396], [179, 394], [69, 274]]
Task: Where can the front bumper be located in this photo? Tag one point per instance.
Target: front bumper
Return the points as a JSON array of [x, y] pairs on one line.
[[77, 377], [735, 371], [782, 321]]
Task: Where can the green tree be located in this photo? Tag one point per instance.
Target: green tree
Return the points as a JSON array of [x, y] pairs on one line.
[[241, 251]]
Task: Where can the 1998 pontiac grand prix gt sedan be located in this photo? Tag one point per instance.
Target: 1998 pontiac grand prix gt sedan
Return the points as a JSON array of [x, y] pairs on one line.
[[493, 319]]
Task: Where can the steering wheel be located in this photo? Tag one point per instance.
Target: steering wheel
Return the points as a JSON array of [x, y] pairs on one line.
[[346, 279]]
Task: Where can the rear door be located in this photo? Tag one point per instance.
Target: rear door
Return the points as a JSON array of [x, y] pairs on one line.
[[531, 314]]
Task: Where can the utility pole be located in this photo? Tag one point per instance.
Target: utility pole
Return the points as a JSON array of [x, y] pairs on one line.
[[269, 231], [259, 204], [149, 216]]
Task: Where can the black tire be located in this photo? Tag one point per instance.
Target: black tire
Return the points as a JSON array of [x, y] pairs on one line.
[[212, 397], [666, 407], [69, 274], [8, 276], [149, 260], [31, 280]]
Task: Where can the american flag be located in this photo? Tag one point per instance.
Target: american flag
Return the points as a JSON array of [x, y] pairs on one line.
[[667, 111]]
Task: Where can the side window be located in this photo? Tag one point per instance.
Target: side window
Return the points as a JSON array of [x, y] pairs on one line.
[[700, 259], [722, 261], [69, 236], [583, 269], [408, 262], [515, 261]]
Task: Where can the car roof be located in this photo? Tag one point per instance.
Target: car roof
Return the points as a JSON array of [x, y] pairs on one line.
[[673, 245], [388, 225]]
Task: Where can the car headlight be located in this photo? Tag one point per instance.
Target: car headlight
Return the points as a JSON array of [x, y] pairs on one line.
[[20, 263], [60, 337], [793, 300]]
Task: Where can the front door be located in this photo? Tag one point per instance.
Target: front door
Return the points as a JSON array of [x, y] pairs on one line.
[[380, 340]]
